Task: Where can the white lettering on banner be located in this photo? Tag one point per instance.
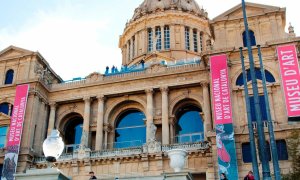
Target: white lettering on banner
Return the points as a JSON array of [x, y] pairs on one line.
[[292, 85]]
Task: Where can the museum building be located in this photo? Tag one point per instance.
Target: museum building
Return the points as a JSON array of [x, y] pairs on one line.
[[107, 119]]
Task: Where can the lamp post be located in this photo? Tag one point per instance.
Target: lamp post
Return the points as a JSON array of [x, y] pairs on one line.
[[53, 146], [260, 129]]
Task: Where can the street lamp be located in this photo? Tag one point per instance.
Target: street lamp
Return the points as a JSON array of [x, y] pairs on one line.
[[53, 146]]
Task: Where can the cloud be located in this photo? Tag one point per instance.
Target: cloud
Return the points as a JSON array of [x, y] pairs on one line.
[[73, 46]]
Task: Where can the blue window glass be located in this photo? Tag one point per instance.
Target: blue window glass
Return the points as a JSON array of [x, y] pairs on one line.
[[262, 105], [73, 131], [195, 40], [130, 130], [189, 127], [158, 36], [246, 152], [252, 38], [9, 77], [201, 41], [167, 37], [187, 38], [150, 40], [269, 77], [3, 133], [4, 108], [282, 150]]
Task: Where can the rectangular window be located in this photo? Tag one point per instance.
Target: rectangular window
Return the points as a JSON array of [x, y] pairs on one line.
[[262, 108], [201, 41], [187, 38], [133, 47], [158, 38], [167, 37], [195, 40], [282, 150], [150, 40], [3, 133], [129, 50]]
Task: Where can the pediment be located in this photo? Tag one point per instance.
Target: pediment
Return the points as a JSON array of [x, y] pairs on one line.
[[12, 52], [156, 57], [253, 9]]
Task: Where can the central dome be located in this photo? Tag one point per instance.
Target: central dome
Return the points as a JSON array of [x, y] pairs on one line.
[[151, 6]]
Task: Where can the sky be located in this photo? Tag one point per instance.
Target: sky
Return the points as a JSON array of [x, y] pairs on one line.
[[79, 37]]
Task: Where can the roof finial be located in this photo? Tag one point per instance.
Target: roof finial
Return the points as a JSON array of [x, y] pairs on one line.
[[291, 31]]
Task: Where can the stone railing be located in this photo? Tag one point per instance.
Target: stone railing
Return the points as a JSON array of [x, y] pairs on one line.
[[116, 152], [200, 146], [101, 78], [136, 151]]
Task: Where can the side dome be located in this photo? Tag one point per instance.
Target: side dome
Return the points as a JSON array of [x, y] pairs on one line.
[[151, 6]]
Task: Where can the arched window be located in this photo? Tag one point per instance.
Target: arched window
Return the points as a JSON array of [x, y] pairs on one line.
[[130, 129], [3, 133], [252, 38], [9, 77], [189, 126], [73, 132], [269, 78], [4, 108]]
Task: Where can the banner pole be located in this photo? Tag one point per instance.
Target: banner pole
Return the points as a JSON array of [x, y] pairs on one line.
[[249, 117], [270, 123], [260, 128]]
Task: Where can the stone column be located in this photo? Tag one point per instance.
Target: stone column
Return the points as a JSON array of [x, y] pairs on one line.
[[9, 109], [165, 115], [162, 29], [171, 123], [172, 37], [107, 129], [128, 52], [149, 113], [99, 131], [51, 117], [270, 94], [86, 122], [206, 107]]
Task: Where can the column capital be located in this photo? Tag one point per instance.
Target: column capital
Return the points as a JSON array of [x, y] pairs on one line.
[[164, 89], [101, 97], [52, 104], [204, 83], [86, 98], [107, 127], [149, 91]]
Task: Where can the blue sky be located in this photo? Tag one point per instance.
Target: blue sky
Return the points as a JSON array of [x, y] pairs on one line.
[[78, 37]]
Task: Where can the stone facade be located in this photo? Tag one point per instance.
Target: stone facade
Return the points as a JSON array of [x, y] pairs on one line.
[[174, 76]]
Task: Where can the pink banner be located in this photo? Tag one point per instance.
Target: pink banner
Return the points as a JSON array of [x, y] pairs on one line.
[[220, 89], [290, 76], [15, 132]]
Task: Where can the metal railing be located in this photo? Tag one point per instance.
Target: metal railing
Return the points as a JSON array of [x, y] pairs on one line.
[[126, 144], [189, 138], [71, 148]]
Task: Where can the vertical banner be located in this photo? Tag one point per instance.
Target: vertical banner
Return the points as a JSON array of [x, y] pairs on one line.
[[290, 78], [15, 133], [222, 110]]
